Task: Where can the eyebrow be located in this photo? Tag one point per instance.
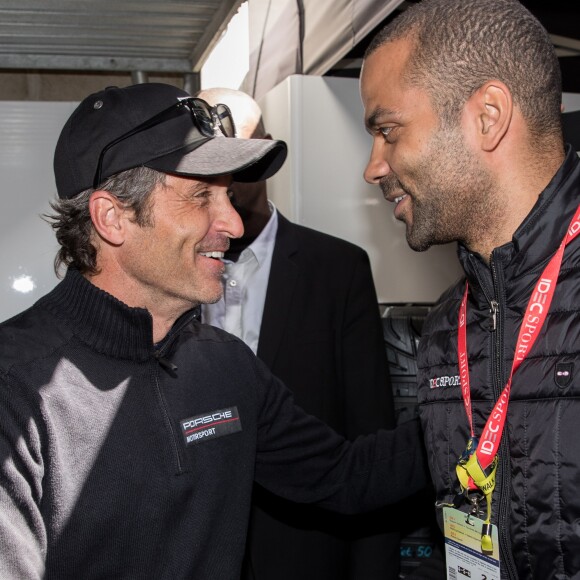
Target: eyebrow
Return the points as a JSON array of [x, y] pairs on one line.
[[192, 189], [377, 114], [196, 186], [199, 184]]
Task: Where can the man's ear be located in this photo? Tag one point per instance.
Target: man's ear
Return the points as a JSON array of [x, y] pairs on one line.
[[492, 105], [108, 216]]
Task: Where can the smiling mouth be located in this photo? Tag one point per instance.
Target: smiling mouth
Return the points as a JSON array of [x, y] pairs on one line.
[[217, 255]]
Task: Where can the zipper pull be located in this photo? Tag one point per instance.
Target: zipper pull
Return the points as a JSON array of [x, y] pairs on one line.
[[493, 311], [165, 363]]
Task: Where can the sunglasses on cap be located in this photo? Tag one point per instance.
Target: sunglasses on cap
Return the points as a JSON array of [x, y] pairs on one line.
[[211, 121]]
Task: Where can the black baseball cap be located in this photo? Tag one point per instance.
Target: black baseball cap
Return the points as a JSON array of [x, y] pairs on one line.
[[175, 145]]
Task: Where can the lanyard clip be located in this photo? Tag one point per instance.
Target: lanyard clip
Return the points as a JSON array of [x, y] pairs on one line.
[[475, 499]]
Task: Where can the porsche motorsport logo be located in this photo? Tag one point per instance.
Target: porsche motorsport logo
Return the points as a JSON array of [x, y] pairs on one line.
[[210, 425]]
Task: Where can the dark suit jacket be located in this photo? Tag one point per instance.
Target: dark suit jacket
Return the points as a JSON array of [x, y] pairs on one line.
[[321, 334]]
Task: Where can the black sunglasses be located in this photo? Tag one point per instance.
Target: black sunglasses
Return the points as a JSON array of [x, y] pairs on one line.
[[209, 120]]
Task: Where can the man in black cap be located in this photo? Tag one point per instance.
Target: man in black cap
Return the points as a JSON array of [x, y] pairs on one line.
[[131, 434]]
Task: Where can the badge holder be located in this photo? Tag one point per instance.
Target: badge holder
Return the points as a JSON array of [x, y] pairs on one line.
[[463, 554], [471, 544]]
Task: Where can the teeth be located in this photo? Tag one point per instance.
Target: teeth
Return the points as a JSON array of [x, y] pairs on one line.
[[400, 198], [219, 255]]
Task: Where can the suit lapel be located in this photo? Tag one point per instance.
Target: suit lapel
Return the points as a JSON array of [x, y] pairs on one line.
[[281, 284]]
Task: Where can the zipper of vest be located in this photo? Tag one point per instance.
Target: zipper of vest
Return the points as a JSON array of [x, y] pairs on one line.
[[503, 500], [493, 311]]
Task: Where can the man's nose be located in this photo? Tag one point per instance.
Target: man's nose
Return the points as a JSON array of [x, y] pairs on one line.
[[229, 222], [377, 166]]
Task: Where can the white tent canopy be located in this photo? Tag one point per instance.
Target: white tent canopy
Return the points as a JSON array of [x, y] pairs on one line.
[[305, 36]]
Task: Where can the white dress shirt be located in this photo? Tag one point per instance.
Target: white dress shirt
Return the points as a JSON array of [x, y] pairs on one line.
[[245, 282]]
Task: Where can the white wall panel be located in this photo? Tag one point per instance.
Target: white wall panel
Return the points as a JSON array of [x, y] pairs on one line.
[[28, 135]]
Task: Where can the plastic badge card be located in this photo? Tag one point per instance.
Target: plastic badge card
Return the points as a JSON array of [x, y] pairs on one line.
[[463, 553]]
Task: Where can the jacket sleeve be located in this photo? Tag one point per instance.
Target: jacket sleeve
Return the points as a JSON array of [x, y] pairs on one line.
[[303, 460], [22, 531]]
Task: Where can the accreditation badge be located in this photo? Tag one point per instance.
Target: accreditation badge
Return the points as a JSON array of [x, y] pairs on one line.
[[463, 554]]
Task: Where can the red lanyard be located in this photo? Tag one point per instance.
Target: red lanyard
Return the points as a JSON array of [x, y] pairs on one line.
[[534, 318]]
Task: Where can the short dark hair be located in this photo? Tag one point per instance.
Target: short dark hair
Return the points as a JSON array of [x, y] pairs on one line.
[[460, 45], [72, 222]]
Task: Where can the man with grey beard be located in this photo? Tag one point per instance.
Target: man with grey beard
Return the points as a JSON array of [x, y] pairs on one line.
[[131, 434]]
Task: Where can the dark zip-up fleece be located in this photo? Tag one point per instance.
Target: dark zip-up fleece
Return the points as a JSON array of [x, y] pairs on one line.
[[536, 503], [99, 478]]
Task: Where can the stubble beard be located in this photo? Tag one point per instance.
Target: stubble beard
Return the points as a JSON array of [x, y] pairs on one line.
[[451, 196], [422, 216]]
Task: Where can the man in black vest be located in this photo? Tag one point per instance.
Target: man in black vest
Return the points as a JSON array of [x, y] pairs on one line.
[[463, 103]]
